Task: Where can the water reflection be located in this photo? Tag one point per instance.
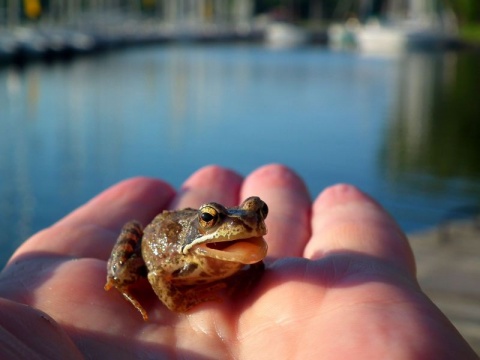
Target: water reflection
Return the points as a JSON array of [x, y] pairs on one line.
[[17, 195], [432, 143], [434, 128]]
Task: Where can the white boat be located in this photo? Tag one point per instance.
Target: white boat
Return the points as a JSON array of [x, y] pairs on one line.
[[376, 37], [412, 24]]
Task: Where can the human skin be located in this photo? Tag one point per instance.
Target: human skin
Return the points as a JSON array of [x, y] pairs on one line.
[[340, 282]]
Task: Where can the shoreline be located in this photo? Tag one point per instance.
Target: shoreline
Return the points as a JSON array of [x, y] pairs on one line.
[[22, 45]]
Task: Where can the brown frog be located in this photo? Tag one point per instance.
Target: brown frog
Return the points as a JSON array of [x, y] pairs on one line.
[[188, 255]]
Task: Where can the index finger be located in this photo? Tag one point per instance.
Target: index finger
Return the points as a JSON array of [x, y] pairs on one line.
[[91, 230]]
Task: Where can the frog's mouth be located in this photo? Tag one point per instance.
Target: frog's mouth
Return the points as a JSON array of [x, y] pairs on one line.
[[244, 251]]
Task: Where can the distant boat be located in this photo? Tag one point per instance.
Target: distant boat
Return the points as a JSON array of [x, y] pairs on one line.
[[416, 24], [282, 34]]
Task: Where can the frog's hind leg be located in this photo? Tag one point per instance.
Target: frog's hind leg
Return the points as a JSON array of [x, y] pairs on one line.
[[126, 264], [183, 298]]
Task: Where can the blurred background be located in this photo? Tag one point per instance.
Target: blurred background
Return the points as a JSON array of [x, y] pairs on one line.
[[381, 94]]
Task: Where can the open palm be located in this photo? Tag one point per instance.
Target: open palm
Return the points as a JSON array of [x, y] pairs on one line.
[[340, 282]]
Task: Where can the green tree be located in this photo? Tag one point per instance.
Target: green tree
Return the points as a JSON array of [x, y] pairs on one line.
[[467, 11]]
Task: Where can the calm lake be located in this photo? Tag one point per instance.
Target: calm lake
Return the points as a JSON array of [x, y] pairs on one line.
[[405, 129]]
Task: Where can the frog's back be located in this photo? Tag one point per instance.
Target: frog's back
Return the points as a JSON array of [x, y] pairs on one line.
[[166, 234]]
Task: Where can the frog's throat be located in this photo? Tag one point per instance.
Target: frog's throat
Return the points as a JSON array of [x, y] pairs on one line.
[[242, 250]]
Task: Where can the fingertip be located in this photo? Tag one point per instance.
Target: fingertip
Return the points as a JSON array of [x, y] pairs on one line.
[[138, 197], [289, 207], [212, 174], [275, 176], [341, 193], [137, 188], [343, 197], [209, 183], [346, 219], [90, 230]]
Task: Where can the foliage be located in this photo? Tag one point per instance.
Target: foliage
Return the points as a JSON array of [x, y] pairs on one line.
[[300, 8], [467, 11], [471, 32]]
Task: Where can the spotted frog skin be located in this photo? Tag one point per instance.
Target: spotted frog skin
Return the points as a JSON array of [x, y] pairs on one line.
[[188, 255]]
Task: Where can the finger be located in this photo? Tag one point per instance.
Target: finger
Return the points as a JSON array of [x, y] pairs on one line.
[[289, 208], [345, 219], [137, 198], [91, 230], [17, 319], [210, 183]]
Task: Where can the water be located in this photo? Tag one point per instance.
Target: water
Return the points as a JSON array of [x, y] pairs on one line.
[[405, 129]]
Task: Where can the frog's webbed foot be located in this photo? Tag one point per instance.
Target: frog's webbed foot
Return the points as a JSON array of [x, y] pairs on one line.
[[126, 264]]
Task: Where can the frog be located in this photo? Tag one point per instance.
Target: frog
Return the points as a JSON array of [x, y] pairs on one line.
[[189, 255]]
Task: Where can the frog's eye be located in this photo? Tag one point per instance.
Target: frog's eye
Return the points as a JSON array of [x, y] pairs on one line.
[[208, 216]]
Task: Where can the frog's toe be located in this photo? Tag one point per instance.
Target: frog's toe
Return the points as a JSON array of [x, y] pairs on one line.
[[136, 304]]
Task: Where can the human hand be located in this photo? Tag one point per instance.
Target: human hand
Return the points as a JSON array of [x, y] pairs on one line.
[[340, 282]]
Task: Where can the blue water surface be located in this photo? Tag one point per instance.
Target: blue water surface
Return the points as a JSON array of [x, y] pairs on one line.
[[70, 130]]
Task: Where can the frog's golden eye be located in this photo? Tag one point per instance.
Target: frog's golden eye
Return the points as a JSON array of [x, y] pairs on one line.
[[208, 216]]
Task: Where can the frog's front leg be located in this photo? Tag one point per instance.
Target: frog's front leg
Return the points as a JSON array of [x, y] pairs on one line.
[[125, 265], [183, 298], [241, 283]]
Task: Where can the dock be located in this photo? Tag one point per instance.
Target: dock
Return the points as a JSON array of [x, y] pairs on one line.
[[448, 270], [28, 44]]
